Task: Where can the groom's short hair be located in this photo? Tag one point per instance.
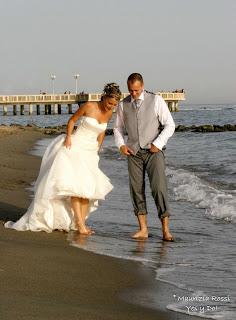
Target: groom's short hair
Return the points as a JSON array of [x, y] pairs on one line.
[[135, 77]]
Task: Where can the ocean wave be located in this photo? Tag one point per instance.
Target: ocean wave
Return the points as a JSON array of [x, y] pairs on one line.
[[203, 109], [218, 204]]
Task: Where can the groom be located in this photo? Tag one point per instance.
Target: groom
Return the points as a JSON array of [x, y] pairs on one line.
[[142, 114]]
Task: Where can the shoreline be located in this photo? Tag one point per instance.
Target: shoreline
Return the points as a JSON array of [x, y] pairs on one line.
[[42, 276]]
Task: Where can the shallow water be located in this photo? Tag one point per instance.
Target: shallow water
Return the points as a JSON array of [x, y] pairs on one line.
[[188, 115], [201, 171]]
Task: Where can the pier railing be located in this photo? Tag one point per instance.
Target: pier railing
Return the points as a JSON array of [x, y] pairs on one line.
[[172, 99], [172, 96], [72, 98]]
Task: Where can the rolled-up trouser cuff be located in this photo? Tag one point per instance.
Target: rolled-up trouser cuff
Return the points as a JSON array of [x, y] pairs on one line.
[[164, 214], [140, 212]]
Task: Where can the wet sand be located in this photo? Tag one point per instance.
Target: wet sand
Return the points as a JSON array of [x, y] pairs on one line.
[[41, 275]]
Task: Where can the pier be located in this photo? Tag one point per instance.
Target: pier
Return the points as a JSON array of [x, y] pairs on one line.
[[52, 103]]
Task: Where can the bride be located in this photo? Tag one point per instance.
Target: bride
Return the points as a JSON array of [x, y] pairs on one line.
[[70, 182]]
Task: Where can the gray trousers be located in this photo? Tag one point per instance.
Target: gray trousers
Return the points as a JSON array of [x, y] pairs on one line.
[[154, 165]]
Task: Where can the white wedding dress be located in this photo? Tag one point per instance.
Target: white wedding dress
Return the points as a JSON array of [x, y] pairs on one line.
[[64, 173]]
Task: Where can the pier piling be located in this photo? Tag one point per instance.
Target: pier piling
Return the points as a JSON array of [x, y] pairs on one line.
[[14, 110], [22, 109], [38, 109], [173, 106], [70, 108], [4, 110], [30, 109], [55, 109]]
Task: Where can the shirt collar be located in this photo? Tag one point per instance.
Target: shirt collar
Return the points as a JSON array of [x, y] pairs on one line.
[[141, 97]]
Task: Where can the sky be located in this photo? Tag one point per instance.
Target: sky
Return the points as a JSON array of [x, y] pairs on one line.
[[174, 44]]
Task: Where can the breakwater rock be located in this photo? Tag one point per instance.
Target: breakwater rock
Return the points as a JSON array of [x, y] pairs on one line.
[[55, 130], [206, 128]]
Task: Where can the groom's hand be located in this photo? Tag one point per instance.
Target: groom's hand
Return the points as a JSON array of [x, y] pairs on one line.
[[125, 150], [154, 149]]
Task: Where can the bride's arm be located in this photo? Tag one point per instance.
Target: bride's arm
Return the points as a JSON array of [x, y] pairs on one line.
[[71, 123], [101, 136], [100, 139]]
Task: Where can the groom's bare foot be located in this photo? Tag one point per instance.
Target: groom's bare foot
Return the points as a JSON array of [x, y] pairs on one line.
[[167, 236], [141, 235]]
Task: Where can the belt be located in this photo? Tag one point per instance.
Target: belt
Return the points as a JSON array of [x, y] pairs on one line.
[[164, 148]]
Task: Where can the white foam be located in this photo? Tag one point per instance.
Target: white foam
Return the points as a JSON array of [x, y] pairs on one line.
[[163, 271], [160, 272], [113, 255], [218, 204], [40, 147]]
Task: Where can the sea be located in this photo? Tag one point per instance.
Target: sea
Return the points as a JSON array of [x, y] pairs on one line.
[[200, 266]]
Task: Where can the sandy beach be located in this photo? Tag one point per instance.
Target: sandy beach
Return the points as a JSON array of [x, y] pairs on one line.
[[41, 275]]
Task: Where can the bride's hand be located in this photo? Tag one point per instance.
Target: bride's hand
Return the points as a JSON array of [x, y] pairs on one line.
[[67, 142]]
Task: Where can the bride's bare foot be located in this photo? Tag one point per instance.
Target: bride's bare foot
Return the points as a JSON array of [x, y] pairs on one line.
[[141, 235], [85, 233], [90, 230], [83, 230]]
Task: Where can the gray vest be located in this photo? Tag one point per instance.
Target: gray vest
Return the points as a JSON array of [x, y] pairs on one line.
[[142, 124]]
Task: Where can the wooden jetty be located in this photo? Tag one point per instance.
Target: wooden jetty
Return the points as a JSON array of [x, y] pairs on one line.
[[53, 102]]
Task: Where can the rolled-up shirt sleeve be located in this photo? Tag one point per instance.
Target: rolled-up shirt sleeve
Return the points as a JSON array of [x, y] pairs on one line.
[[166, 120], [119, 126]]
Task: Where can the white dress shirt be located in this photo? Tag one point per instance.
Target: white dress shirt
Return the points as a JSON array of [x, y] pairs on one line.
[[163, 116]]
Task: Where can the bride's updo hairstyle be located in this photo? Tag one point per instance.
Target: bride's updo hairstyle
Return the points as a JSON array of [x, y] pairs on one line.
[[112, 90]]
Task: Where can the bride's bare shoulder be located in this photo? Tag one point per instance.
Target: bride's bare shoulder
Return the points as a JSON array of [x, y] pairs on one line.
[[89, 107], [86, 108]]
